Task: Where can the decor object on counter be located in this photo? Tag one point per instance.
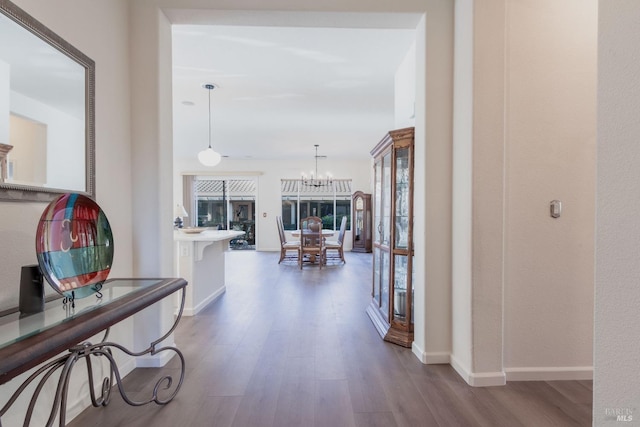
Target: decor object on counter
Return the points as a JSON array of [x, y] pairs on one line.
[[74, 245], [208, 156], [316, 180], [179, 212], [31, 298], [193, 230]]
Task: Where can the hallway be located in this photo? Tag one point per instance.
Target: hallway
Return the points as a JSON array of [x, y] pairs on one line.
[[289, 347]]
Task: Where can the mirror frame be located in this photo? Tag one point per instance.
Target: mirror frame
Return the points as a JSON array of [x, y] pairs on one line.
[[28, 193]]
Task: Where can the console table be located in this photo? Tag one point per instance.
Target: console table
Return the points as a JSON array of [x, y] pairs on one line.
[[28, 341]]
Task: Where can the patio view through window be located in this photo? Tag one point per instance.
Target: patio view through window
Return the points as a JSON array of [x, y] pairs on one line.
[[227, 204], [330, 203]]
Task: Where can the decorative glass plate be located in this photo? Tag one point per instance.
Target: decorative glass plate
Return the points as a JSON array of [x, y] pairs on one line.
[[74, 245], [193, 230]]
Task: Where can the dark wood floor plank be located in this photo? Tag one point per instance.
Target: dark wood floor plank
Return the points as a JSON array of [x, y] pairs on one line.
[[296, 402], [527, 405], [258, 404], [375, 419], [284, 347], [575, 391], [367, 395], [332, 405], [573, 414], [216, 411]]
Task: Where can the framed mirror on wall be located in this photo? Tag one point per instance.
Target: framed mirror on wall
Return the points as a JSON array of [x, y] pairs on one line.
[[47, 112]]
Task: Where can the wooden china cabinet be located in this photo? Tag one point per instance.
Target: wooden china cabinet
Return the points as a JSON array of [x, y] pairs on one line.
[[391, 308], [361, 222]]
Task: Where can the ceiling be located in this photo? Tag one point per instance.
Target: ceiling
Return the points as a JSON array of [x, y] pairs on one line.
[[280, 90]]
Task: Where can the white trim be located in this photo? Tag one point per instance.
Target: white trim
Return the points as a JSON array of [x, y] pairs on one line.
[[208, 300], [487, 379], [435, 358], [484, 379], [459, 369], [549, 373], [158, 360]]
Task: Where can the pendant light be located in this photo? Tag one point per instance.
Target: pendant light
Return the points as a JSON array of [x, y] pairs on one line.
[[209, 157]]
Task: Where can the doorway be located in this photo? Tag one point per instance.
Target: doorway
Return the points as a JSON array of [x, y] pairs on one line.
[[227, 204]]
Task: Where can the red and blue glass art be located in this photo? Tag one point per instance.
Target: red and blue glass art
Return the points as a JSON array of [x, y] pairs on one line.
[[74, 245]]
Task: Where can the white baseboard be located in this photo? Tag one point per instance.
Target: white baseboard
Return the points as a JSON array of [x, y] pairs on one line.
[[158, 360], [487, 379], [483, 379], [550, 373], [432, 358], [192, 311]]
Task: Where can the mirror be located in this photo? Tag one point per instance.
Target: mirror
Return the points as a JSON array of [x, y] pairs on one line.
[[47, 132]]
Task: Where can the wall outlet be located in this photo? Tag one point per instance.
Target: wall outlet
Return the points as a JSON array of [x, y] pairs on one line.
[[184, 250]]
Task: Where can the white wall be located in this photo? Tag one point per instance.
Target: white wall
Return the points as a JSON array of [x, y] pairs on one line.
[[617, 323], [489, 144], [432, 202], [5, 88], [268, 174], [461, 280], [532, 140], [29, 153], [550, 154], [404, 90], [100, 30], [105, 41], [64, 142]]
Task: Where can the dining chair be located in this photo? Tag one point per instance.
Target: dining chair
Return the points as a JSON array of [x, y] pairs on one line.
[[338, 244], [286, 246], [311, 240]]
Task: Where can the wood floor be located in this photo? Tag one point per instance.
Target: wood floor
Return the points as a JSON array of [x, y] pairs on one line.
[[288, 347]]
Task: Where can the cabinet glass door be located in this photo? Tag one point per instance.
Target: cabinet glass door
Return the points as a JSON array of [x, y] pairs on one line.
[[400, 289], [402, 199], [377, 207], [386, 199], [376, 275], [384, 284]]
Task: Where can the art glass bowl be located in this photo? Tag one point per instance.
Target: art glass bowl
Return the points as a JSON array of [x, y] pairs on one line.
[[74, 245]]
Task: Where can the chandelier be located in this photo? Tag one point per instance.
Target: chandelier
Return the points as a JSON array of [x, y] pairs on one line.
[[316, 180]]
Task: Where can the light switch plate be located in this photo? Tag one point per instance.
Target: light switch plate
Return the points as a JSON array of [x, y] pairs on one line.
[[555, 208]]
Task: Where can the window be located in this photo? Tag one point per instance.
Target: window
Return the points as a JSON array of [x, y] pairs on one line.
[[330, 203], [227, 204]]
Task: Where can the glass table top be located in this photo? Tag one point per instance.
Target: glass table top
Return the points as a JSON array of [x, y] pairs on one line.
[[15, 327]]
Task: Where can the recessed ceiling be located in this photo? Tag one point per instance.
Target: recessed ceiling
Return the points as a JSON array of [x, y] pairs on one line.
[[280, 90]]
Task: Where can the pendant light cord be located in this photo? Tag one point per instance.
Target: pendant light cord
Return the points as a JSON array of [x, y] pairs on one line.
[[209, 87]]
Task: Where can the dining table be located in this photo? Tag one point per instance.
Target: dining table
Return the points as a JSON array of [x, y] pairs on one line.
[[325, 233]]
